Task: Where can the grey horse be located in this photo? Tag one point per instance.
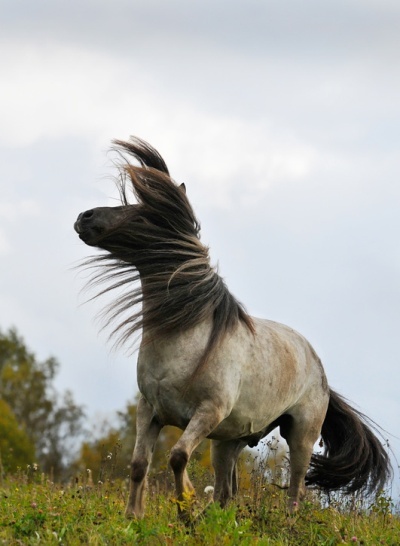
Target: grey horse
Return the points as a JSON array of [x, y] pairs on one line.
[[204, 364]]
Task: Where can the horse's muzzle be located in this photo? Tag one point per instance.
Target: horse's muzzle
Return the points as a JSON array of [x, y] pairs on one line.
[[87, 228], [83, 221]]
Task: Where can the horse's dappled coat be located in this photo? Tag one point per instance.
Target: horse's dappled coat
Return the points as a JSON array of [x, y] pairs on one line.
[[204, 364]]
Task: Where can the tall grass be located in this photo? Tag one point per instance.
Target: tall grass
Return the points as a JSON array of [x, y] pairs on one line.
[[34, 510]]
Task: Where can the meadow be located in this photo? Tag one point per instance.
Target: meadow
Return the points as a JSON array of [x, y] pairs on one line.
[[34, 510]]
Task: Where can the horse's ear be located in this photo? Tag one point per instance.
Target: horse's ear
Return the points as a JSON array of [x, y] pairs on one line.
[[182, 187]]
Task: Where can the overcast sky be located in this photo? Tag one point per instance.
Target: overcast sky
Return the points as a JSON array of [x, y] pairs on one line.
[[282, 119]]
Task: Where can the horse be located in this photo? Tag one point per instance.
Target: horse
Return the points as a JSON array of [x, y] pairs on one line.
[[204, 364]]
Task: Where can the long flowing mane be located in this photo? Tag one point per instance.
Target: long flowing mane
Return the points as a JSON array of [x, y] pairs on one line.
[[154, 254]]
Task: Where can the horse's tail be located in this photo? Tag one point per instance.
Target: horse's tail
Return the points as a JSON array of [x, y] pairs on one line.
[[354, 459]]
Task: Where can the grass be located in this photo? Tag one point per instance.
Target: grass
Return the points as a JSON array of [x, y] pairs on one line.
[[33, 510]]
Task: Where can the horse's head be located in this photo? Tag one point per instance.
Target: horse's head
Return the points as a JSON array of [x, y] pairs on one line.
[[97, 226], [121, 231], [159, 230]]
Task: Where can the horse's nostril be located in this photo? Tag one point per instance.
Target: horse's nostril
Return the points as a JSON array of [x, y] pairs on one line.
[[87, 214]]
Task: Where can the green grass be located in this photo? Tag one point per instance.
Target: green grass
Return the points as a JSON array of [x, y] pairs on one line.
[[35, 511]]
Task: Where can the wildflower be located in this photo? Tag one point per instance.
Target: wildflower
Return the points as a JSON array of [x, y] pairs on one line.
[[353, 539], [295, 504], [34, 505], [35, 466], [89, 477], [209, 489]]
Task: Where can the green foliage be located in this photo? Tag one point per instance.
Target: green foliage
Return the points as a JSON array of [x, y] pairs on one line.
[[48, 418], [16, 450]]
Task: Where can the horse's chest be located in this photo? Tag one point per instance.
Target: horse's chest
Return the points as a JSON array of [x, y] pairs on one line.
[[163, 387]]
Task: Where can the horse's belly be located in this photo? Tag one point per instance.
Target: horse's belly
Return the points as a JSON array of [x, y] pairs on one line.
[[242, 423], [232, 428]]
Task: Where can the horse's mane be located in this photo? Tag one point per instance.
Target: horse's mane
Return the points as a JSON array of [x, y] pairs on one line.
[[157, 248]]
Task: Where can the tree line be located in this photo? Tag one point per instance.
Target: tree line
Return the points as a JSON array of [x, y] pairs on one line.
[[44, 428]]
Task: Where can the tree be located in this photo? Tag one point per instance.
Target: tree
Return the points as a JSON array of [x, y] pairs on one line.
[[49, 419], [16, 450]]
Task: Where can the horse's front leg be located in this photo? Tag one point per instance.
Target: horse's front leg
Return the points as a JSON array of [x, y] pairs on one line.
[[205, 420], [147, 431]]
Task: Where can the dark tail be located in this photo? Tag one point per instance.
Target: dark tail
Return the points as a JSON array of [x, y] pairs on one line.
[[354, 458]]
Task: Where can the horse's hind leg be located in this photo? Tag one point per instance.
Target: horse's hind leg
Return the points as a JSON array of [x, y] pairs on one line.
[[205, 419], [147, 430], [301, 432], [224, 456]]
